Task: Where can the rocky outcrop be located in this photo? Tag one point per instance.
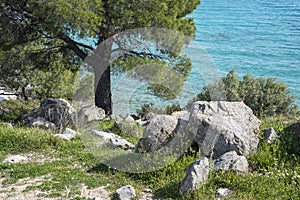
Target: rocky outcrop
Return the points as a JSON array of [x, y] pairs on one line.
[[156, 133], [90, 113], [230, 161], [221, 127], [56, 111], [126, 193], [196, 174]]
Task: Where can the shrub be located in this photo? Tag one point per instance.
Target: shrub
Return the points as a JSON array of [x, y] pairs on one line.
[[151, 108], [266, 97], [172, 108], [12, 110], [148, 108]]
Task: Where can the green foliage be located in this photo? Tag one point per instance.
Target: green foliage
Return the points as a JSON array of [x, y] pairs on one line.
[[46, 38], [266, 97], [290, 139], [151, 108], [172, 108], [148, 108], [12, 110], [19, 140]]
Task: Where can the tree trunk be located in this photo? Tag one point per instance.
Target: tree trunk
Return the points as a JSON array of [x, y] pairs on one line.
[[103, 91], [99, 60]]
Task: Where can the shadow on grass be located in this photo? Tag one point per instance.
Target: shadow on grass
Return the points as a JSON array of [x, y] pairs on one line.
[[290, 140], [100, 168]]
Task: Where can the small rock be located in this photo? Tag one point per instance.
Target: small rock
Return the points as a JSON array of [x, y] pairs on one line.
[[223, 192], [121, 143], [41, 122], [68, 134], [270, 135], [141, 122], [230, 161], [15, 159], [196, 173], [9, 125], [104, 135], [99, 198], [126, 192], [129, 118], [115, 140]]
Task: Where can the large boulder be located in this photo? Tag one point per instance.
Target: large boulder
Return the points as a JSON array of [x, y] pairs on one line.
[[196, 174], [157, 133], [90, 113], [56, 111], [221, 127]]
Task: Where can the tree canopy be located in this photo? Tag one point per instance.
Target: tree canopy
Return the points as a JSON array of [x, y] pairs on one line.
[[40, 34]]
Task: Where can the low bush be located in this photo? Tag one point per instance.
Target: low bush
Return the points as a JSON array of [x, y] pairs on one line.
[[266, 97], [151, 108], [12, 110]]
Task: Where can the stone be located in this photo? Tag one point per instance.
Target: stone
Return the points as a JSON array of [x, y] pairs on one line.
[[129, 118], [196, 174], [122, 143], [15, 159], [56, 111], [114, 139], [68, 134], [270, 135], [230, 161], [41, 122], [157, 132], [220, 127], [223, 192], [184, 114], [126, 193], [90, 113], [9, 125], [104, 135], [141, 122]]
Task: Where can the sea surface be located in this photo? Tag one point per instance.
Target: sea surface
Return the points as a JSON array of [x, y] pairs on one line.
[[258, 37]]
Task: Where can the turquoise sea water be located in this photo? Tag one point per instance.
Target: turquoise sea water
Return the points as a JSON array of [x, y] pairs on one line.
[[259, 37]]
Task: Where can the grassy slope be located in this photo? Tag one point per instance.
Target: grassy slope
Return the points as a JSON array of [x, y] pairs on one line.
[[275, 168]]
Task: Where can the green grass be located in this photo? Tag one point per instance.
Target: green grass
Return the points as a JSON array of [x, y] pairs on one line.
[[274, 174]]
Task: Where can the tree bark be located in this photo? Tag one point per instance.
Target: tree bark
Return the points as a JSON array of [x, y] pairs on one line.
[[103, 92], [99, 60]]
